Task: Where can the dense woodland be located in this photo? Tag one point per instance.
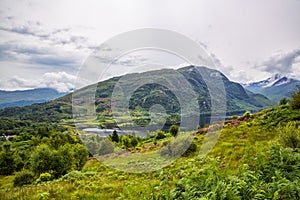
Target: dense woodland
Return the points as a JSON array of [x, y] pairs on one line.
[[256, 157]]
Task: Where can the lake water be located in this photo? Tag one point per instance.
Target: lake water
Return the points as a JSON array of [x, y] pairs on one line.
[[106, 132]]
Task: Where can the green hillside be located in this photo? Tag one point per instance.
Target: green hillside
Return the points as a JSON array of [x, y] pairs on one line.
[[256, 157]]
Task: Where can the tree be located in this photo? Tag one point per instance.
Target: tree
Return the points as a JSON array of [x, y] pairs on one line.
[[80, 156], [174, 130], [42, 159], [126, 141], [134, 141], [283, 101], [115, 137], [295, 99], [23, 177], [7, 164], [63, 160]]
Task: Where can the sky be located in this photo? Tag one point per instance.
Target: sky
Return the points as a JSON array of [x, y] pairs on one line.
[[45, 43]]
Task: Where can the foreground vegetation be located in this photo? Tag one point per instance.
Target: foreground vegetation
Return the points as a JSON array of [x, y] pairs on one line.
[[256, 157]]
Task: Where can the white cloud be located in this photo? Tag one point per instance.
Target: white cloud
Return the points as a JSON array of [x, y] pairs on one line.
[[61, 81]]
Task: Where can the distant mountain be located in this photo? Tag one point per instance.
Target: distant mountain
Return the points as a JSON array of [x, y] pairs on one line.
[[27, 97], [275, 87], [238, 100]]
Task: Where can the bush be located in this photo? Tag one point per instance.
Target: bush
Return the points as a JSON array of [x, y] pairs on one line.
[[44, 177], [192, 148], [23, 177], [115, 137], [160, 135], [176, 147], [290, 135], [295, 99], [174, 130], [134, 142], [283, 101], [247, 114]]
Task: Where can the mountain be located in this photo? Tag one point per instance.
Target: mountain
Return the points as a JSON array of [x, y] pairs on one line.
[[27, 97], [144, 97], [275, 87]]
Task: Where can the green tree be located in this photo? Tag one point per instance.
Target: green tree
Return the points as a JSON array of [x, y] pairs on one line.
[[7, 164], [134, 142], [63, 160], [295, 99], [126, 141], [283, 101], [42, 159], [80, 156], [115, 136], [174, 129], [23, 177]]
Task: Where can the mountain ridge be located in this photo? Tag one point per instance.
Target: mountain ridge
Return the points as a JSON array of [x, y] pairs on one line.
[[238, 100], [28, 97], [275, 88]]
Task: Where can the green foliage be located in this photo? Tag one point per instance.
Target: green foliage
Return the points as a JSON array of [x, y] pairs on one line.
[[23, 177], [176, 147], [290, 135], [80, 154], [295, 99], [115, 136], [42, 159], [247, 114], [283, 101], [134, 142], [126, 141], [57, 162], [174, 129], [7, 164], [44, 177], [160, 135]]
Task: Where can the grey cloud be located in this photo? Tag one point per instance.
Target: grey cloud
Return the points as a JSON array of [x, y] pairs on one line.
[[281, 63], [57, 36]]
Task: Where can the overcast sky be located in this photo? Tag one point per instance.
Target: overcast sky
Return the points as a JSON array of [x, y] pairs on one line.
[[44, 43]]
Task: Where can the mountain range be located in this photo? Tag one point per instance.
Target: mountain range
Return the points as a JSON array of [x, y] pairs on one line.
[[238, 100], [275, 87], [28, 97]]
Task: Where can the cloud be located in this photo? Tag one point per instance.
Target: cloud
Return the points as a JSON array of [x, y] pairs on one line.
[[281, 62], [61, 81]]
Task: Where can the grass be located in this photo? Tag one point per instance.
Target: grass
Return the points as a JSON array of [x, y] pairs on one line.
[[238, 146]]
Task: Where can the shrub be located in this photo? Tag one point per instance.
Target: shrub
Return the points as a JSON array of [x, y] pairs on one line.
[[23, 177], [160, 135], [134, 142], [283, 101], [44, 177], [174, 130], [295, 99], [192, 148], [247, 114], [290, 135], [115, 137], [176, 147]]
